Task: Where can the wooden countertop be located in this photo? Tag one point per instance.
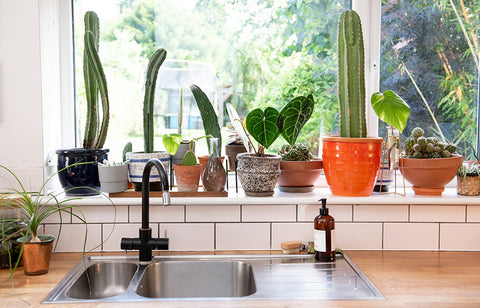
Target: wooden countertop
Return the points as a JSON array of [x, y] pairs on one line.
[[404, 278]]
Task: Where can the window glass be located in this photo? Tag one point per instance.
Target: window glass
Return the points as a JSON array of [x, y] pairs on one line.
[[429, 56], [251, 53]]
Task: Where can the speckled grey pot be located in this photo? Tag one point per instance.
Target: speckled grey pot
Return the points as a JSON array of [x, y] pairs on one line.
[[258, 175]]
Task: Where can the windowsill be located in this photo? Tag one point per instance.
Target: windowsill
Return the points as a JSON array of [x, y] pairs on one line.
[[448, 197]]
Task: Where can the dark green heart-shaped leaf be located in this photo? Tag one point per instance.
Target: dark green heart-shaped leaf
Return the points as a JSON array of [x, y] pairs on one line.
[[262, 125], [294, 116], [171, 142], [391, 109]]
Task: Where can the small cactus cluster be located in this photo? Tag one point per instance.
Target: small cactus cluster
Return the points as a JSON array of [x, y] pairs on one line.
[[299, 152], [418, 146]]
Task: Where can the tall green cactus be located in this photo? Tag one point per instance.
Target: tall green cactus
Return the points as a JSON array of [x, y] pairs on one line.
[[95, 82], [154, 64], [351, 76]]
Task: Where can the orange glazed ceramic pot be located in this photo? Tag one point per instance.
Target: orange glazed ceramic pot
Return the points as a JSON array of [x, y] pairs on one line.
[[299, 173], [351, 164], [429, 176]]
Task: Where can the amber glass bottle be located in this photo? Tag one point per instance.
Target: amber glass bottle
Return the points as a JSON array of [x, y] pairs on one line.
[[324, 235]]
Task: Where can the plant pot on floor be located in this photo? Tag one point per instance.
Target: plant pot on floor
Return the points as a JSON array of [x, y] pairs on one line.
[[299, 176], [138, 160], [36, 256], [351, 164], [187, 177], [113, 178], [231, 150], [430, 175], [80, 180], [258, 175]]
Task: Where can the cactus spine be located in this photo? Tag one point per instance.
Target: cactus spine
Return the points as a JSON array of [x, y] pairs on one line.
[[351, 76], [95, 82], [150, 82]]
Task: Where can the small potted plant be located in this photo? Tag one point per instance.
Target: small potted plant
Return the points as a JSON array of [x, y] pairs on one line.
[[113, 176], [299, 170], [77, 179], [259, 172], [468, 179], [428, 164], [187, 174], [139, 159], [11, 230]]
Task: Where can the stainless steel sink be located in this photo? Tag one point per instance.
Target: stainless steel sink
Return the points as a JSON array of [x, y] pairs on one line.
[[197, 279], [213, 277]]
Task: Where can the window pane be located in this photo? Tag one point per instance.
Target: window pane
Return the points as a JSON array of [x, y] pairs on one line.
[[251, 53], [425, 39]]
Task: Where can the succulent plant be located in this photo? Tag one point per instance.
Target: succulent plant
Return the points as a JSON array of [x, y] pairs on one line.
[[418, 146], [299, 152]]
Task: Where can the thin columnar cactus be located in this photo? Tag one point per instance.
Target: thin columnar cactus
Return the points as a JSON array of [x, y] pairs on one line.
[[95, 82], [154, 64], [180, 114], [351, 76]]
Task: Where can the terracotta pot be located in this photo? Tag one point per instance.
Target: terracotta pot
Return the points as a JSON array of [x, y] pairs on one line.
[[231, 150], [351, 164], [187, 177], [258, 175], [36, 256], [138, 160], [203, 161], [429, 176], [299, 174]]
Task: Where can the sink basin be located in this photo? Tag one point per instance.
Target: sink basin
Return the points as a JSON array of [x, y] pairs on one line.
[[98, 279], [197, 279], [103, 280]]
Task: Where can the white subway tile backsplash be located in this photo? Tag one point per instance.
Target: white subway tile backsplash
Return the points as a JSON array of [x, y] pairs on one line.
[[101, 214], [473, 213], [308, 212], [358, 236], [211, 213], [269, 213], [437, 213], [411, 236], [55, 218], [171, 213], [243, 236], [283, 232], [460, 237], [72, 237], [189, 236], [386, 212], [112, 237]]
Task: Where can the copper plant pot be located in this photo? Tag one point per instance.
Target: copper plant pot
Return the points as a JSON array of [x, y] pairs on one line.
[[36, 256], [429, 176]]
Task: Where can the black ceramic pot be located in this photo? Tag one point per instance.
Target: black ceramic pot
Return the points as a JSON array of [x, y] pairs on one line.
[[80, 180]]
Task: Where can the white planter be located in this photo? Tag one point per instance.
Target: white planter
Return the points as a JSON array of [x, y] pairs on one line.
[[113, 178], [138, 160]]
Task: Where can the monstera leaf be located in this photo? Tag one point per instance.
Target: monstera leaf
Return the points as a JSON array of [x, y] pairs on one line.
[[391, 109], [294, 116], [262, 125]]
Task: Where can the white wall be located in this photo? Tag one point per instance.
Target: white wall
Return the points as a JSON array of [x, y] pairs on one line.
[[21, 128]]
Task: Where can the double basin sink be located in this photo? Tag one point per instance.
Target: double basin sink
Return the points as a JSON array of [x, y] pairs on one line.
[[212, 277]]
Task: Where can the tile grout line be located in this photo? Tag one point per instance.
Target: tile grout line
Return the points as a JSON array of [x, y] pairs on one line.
[[214, 236], [383, 235]]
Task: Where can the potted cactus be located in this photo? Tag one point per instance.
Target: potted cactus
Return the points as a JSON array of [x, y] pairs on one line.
[[299, 170], [139, 159], [187, 173], [428, 164], [79, 179], [468, 179]]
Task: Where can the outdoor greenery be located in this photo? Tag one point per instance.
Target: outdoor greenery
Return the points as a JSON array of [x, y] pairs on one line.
[[267, 52]]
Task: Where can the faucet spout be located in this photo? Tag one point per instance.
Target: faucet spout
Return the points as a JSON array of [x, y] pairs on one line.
[[145, 243]]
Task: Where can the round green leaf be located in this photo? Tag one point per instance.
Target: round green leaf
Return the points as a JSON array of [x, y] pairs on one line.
[[262, 125], [294, 116], [391, 109], [171, 142]]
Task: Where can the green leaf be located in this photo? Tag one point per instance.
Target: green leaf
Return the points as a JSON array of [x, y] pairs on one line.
[[391, 109], [294, 116], [171, 142], [189, 159], [262, 125]]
